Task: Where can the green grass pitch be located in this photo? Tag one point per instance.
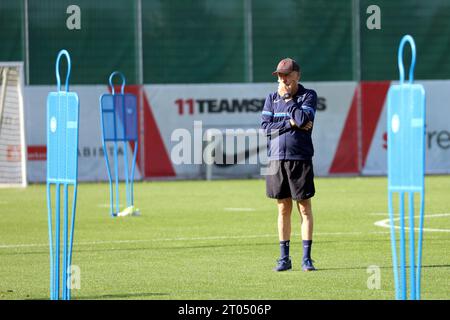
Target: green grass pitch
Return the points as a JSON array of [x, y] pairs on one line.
[[218, 240]]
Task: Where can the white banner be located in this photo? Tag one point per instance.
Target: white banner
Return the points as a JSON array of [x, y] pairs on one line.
[[239, 106]]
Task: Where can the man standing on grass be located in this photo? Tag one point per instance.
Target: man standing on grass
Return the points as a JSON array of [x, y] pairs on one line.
[[287, 118]]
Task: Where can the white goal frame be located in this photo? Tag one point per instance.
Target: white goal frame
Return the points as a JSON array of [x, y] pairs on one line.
[[20, 93]]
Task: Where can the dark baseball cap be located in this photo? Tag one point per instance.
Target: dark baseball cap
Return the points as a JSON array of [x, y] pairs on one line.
[[286, 66]]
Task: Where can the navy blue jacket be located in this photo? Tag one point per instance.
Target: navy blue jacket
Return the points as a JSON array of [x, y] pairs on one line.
[[287, 142]]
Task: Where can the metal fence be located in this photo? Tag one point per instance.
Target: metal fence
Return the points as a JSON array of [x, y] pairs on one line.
[[233, 41]]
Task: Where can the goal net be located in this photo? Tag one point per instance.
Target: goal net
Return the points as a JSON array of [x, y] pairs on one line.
[[12, 131]]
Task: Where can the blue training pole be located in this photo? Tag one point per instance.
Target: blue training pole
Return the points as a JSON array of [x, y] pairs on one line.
[[62, 170], [406, 172]]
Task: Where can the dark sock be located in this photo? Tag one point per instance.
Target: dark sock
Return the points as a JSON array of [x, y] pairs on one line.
[[307, 244], [284, 249]]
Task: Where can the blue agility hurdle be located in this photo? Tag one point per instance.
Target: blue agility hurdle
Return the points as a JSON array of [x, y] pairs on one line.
[[62, 170], [406, 171], [118, 117]]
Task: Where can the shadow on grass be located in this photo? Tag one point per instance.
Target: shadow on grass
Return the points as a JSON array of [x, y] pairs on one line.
[[115, 296], [386, 267], [124, 296], [75, 251], [241, 243]]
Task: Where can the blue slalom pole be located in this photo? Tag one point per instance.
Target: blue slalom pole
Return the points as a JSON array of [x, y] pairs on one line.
[[132, 172], [57, 239], [421, 222], [402, 249], [116, 171], [419, 245], [65, 244], [116, 160], [393, 246], [125, 146], [116, 165], [72, 229], [125, 156], [108, 167], [412, 256], [50, 237]]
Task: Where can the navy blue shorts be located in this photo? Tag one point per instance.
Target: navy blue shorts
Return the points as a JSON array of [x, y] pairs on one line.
[[290, 179]]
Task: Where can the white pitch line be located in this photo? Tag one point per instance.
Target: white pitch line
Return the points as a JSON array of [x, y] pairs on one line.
[[239, 209], [386, 223], [12, 246]]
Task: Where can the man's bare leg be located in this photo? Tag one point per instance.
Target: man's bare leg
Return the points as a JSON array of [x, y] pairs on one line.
[[284, 218], [284, 233], [305, 209]]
